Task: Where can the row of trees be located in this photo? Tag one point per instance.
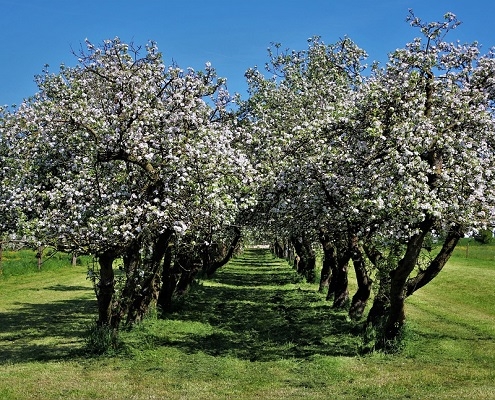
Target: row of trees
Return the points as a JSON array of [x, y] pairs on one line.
[[124, 158], [376, 166]]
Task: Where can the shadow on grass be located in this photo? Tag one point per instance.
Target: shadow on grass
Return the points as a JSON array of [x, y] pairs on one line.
[[42, 332], [255, 308], [66, 288], [258, 312]]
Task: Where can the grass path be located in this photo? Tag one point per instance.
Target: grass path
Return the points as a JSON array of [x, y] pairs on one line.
[[261, 311], [255, 331]]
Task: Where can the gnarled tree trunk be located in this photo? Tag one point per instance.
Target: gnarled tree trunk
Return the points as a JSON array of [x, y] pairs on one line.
[[307, 258], [211, 267], [169, 281], [381, 304], [398, 278], [339, 283], [360, 298], [436, 265], [278, 249], [143, 295], [329, 261]]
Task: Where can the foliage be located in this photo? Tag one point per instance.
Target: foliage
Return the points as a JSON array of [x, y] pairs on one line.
[[484, 236]]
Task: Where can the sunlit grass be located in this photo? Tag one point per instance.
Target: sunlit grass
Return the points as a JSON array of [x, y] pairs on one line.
[[25, 261], [255, 331]]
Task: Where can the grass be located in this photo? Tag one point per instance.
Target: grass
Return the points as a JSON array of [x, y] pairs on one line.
[[254, 331], [25, 261]]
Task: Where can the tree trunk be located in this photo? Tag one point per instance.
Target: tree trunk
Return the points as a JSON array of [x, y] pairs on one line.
[[39, 256], [186, 277], [307, 258], [298, 250], [396, 315], [381, 304], [341, 282], [169, 282], [360, 298], [186, 266], [1, 255], [217, 264], [142, 296], [309, 272], [139, 307], [329, 260], [105, 289], [290, 252], [278, 250]]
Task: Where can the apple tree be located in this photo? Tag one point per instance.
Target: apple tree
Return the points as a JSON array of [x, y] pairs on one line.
[[123, 157]]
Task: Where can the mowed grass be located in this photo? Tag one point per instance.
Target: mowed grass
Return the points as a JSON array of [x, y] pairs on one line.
[[255, 331]]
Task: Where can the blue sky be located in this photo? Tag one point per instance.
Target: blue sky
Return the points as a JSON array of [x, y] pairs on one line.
[[233, 35]]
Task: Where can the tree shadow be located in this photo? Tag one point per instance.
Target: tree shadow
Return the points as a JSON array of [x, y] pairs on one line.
[[255, 318], [66, 288], [256, 307], [40, 332]]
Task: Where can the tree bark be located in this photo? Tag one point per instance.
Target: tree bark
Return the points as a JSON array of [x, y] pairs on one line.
[[278, 250], [360, 298], [169, 281], [105, 288], [339, 258], [307, 258], [142, 296], [329, 260], [217, 264], [39, 256], [398, 277], [341, 282], [132, 264], [1, 255], [189, 270], [381, 304], [291, 256]]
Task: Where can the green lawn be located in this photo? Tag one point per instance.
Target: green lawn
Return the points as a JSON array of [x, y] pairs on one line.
[[253, 332]]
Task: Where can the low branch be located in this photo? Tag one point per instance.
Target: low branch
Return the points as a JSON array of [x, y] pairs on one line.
[[425, 276]]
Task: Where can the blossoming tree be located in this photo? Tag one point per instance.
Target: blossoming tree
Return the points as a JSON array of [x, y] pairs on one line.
[[388, 159], [121, 156], [430, 138], [301, 122]]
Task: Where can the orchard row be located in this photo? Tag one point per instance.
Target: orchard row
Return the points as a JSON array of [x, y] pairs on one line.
[[128, 159]]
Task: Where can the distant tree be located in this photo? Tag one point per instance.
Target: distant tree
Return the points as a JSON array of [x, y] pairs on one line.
[[484, 236]]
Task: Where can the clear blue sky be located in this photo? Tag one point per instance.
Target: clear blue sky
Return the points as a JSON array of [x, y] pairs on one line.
[[233, 35]]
